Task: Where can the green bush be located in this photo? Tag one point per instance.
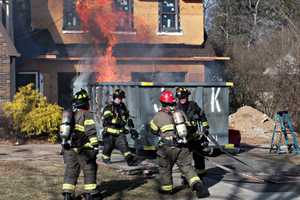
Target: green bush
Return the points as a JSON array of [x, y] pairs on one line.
[[32, 115]]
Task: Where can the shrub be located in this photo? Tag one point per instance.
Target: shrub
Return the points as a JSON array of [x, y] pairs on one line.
[[32, 115]]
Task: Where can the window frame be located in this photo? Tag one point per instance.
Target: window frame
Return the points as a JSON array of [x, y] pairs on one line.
[[131, 18], [172, 30], [39, 80], [73, 14]]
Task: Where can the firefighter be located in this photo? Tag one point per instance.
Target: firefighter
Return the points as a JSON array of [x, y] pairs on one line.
[[195, 115], [81, 150], [115, 118], [170, 151]]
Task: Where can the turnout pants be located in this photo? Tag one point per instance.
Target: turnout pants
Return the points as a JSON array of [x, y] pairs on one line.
[[85, 160], [195, 146], [111, 142], [182, 157]]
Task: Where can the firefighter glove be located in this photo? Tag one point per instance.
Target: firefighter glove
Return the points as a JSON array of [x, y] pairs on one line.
[[134, 134], [120, 122], [66, 146], [125, 131], [130, 123], [205, 131]]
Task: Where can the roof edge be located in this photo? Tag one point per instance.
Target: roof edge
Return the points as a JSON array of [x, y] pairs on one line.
[[11, 49]]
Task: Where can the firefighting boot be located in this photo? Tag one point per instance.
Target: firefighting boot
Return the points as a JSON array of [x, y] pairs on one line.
[[106, 159], [68, 196], [93, 196], [201, 173], [167, 193], [131, 160], [201, 190]]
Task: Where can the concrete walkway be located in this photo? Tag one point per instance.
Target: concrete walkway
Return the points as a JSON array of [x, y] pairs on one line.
[[224, 185]]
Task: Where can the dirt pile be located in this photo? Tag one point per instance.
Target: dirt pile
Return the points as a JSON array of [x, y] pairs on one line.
[[255, 127]]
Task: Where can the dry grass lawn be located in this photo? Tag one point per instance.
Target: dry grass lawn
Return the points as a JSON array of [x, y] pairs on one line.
[[42, 180]]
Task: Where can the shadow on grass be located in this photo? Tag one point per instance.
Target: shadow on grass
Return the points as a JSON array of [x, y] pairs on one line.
[[119, 187]]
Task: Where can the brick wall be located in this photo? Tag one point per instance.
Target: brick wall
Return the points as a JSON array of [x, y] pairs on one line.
[[5, 80]]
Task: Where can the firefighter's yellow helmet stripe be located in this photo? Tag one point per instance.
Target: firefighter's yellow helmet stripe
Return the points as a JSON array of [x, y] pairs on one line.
[[80, 128], [90, 186], [114, 121], [153, 126], [168, 127], [167, 187], [88, 122], [194, 180], [67, 186]]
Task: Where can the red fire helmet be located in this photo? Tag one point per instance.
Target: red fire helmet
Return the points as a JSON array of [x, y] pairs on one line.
[[167, 97]]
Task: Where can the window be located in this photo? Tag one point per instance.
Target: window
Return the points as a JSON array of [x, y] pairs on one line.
[[71, 19], [126, 21], [24, 78], [158, 76], [4, 12], [169, 16]]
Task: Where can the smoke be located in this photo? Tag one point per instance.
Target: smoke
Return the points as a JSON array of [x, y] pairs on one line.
[[99, 18], [102, 19], [82, 81], [85, 72]]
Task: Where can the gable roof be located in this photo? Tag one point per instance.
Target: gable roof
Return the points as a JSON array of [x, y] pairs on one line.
[[10, 50]]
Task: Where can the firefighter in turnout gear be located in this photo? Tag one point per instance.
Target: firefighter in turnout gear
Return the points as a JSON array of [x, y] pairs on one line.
[[81, 149], [115, 118], [170, 151], [195, 115]]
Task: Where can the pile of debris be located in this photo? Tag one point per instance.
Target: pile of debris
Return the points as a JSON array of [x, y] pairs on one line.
[[255, 127]]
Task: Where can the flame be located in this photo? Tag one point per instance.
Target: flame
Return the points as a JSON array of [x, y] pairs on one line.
[[101, 20], [109, 72]]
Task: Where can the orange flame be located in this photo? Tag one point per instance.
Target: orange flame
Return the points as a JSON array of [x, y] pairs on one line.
[[101, 20]]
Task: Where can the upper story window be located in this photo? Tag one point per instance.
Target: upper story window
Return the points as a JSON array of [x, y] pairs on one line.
[[126, 20], [169, 16], [71, 19]]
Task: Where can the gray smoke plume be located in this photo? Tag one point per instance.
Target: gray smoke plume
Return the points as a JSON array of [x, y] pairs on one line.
[[85, 73], [81, 81]]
